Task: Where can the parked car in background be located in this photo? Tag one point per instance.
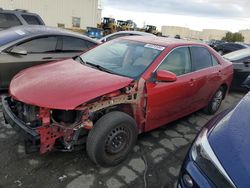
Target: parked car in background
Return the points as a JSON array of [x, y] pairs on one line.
[[219, 156], [229, 47], [95, 33], [213, 43], [241, 65], [11, 18], [115, 91], [123, 34], [25, 46]]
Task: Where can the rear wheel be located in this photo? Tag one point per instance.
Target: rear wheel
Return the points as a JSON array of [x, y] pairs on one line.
[[111, 139], [215, 102]]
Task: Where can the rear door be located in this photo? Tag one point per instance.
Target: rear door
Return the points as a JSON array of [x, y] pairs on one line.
[[206, 73], [39, 51], [168, 101]]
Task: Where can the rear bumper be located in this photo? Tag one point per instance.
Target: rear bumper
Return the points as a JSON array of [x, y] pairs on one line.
[[16, 123]]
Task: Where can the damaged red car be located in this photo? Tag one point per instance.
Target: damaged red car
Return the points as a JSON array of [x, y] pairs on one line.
[[110, 94]]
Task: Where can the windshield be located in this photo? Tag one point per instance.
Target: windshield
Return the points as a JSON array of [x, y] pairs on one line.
[[7, 36], [123, 57], [237, 55]]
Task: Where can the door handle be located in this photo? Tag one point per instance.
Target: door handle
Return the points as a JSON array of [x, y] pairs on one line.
[[191, 82], [217, 72]]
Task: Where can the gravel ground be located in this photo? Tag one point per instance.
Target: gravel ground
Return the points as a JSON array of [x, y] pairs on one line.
[[155, 160]]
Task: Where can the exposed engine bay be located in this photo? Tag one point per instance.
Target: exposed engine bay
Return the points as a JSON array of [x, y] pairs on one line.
[[66, 130]]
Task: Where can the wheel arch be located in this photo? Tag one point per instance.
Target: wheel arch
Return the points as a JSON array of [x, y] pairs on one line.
[[125, 108], [225, 87]]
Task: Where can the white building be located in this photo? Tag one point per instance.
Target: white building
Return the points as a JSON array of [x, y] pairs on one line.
[[246, 34], [62, 13], [184, 32]]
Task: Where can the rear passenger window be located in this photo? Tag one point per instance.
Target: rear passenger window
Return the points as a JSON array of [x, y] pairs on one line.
[[178, 61], [31, 20], [201, 58], [71, 44], [214, 61], [8, 20]]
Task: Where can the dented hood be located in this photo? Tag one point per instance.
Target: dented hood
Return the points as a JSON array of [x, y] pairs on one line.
[[63, 85]]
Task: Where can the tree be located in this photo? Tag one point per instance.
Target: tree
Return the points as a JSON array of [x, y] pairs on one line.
[[233, 37]]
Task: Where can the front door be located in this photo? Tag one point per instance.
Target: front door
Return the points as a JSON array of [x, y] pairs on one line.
[[39, 51], [168, 101]]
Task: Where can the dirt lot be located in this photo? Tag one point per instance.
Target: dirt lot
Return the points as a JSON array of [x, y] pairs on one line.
[[155, 161]]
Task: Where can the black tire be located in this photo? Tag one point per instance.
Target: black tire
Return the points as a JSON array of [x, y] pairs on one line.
[[214, 104], [111, 139]]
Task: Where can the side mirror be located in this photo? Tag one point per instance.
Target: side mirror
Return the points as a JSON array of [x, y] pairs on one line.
[[246, 83], [18, 51], [165, 76]]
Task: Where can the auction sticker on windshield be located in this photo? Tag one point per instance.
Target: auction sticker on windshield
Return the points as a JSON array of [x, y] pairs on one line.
[[156, 47]]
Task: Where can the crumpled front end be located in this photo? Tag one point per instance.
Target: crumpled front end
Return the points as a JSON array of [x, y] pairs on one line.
[[46, 129]]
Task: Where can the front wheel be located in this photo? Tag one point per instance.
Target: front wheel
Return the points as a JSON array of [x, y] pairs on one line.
[[111, 139], [215, 102]]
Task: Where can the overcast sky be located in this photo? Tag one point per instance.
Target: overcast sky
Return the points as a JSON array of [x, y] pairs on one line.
[[230, 15]]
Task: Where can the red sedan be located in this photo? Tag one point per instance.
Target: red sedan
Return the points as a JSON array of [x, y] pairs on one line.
[[110, 94]]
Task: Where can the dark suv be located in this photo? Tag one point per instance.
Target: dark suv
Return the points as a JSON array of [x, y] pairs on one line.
[[10, 18]]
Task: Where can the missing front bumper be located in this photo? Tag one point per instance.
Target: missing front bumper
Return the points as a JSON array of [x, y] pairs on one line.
[[16, 123]]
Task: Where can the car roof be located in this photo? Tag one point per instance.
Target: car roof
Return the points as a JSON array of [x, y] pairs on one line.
[[132, 32], [162, 41], [127, 32], [17, 11], [46, 30]]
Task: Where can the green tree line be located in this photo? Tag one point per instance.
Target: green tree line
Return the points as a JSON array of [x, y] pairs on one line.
[[233, 37]]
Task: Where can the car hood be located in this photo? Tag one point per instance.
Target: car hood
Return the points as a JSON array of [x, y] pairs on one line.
[[63, 85], [230, 142]]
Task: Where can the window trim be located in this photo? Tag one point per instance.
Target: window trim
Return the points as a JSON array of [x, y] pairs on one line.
[[188, 46], [184, 46], [61, 44], [33, 38], [209, 54], [218, 62]]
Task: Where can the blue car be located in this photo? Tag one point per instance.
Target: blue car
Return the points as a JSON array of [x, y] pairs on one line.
[[94, 32], [220, 154]]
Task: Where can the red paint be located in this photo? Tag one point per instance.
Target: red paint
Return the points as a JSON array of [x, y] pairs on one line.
[[63, 85], [165, 76], [68, 84], [48, 136]]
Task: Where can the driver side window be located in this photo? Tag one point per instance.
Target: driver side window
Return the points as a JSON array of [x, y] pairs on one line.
[[178, 61], [40, 45]]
